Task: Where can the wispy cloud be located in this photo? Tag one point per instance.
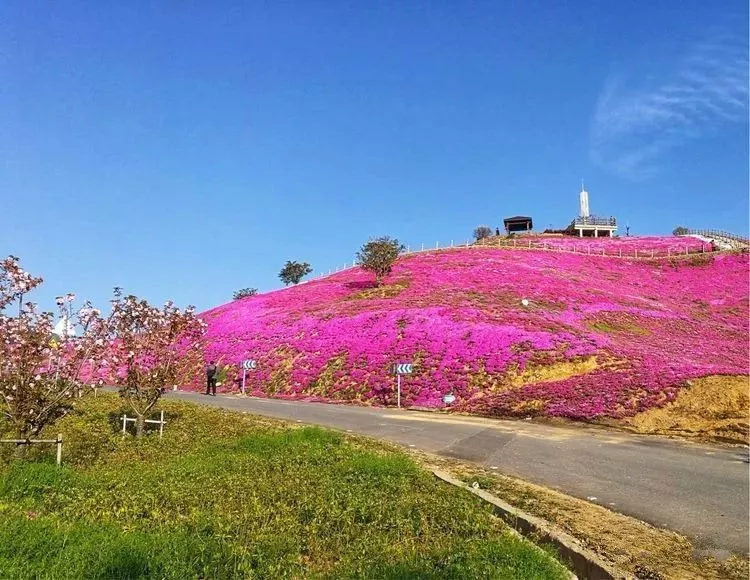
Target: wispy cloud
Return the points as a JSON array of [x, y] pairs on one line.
[[637, 120]]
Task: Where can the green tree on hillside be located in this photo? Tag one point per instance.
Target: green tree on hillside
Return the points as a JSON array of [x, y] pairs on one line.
[[680, 231], [481, 232], [379, 255], [293, 272]]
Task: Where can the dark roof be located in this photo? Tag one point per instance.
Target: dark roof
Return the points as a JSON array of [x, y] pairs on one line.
[[518, 218]]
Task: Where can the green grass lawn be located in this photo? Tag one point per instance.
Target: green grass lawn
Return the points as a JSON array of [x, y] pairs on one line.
[[228, 495]]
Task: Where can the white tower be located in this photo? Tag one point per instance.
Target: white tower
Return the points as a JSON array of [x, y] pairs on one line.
[[583, 203]]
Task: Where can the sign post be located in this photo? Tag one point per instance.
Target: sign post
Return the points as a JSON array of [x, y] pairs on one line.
[[247, 365], [400, 369]]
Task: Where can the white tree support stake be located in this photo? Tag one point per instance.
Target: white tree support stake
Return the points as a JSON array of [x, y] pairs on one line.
[[58, 442], [161, 422]]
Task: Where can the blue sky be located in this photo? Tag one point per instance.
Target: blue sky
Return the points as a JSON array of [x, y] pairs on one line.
[[187, 149]]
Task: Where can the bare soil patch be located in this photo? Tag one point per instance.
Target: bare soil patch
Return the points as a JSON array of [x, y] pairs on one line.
[[715, 408]]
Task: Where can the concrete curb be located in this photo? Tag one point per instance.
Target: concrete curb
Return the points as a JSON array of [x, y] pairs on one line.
[[586, 564]]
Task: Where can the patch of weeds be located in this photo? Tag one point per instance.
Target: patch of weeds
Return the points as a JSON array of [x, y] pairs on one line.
[[383, 291]]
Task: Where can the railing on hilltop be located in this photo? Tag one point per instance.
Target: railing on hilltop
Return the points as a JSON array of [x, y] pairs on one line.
[[719, 234], [595, 221], [528, 244]]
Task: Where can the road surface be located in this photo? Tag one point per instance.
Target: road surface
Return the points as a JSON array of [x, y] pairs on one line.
[[700, 491]]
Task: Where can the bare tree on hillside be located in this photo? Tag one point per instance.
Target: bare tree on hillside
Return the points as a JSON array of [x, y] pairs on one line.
[[379, 255], [482, 232]]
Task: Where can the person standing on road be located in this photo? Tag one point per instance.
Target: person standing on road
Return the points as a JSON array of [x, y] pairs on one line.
[[211, 374]]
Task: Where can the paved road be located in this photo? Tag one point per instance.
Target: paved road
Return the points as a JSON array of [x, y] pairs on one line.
[[698, 490]]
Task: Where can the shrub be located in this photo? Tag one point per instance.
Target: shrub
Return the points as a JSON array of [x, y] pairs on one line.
[[244, 293], [680, 231]]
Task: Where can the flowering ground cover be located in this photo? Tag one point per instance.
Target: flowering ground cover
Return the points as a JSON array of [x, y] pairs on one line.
[[512, 333]]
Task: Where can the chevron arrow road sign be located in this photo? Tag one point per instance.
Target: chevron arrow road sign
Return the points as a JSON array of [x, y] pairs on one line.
[[402, 369], [247, 365]]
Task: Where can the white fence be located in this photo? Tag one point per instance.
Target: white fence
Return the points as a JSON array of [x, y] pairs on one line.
[[522, 244], [58, 442], [161, 422]]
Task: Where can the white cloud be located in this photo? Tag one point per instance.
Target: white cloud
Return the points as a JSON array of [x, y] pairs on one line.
[[634, 124]]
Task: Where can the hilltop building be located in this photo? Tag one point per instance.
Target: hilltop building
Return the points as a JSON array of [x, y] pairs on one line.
[[518, 223], [587, 225]]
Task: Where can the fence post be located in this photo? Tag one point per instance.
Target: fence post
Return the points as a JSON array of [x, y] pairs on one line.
[[529, 244], [652, 253], [423, 246], [59, 449], [161, 425], [514, 242], [437, 245], [636, 252], [451, 243], [686, 250], [124, 422]]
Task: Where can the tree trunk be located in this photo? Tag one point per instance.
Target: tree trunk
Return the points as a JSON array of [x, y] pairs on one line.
[[140, 424], [20, 451]]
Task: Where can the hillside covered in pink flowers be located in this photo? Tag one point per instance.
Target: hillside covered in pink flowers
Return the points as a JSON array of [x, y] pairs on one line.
[[507, 332]]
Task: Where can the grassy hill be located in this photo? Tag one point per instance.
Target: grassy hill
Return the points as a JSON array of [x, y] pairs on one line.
[[226, 495], [522, 332]]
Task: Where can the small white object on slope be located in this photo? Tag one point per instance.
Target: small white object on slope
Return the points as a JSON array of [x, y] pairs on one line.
[[524, 302]]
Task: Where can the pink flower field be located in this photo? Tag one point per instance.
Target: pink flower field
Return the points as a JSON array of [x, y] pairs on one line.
[[594, 337]]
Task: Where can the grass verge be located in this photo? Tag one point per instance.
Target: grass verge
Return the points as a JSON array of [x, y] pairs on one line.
[[228, 495]]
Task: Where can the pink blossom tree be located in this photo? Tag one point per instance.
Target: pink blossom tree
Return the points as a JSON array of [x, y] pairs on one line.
[[151, 349], [41, 372]]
